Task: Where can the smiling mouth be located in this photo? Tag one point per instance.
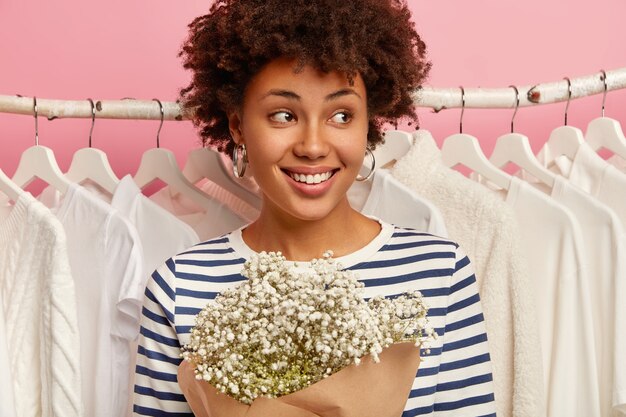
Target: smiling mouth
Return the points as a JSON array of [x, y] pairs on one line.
[[311, 178]]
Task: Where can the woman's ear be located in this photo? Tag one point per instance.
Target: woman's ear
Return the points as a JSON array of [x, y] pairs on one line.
[[234, 125]]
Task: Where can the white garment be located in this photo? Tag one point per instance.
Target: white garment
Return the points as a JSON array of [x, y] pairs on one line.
[[388, 199], [591, 173], [106, 260], [487, 229], [619, 391], [557, 260], [207, 225], [235, 204], [606, 255], [161, 233], [39, 303], [618, 162], [7, 404], [607, 183]]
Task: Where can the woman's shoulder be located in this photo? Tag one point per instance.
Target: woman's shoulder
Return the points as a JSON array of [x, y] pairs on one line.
[[207, 257], [407, 236], [411, 260], [416, 249], [200, 272], [219, 245], [410, 249]]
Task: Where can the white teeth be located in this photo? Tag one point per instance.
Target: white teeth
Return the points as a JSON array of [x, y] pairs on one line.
[[311, 179]]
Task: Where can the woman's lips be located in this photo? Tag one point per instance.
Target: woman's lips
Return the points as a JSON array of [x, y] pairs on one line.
[[311, 178], [311, 184]]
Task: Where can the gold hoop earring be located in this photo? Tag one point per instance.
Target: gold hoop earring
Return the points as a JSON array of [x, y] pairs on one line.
[[369, 152], [238, 170]]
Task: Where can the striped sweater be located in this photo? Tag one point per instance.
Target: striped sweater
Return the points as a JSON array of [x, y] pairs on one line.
[[454, 379]]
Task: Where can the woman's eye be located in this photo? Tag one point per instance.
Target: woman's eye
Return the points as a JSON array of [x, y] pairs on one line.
[[282, 117], [341, 117]]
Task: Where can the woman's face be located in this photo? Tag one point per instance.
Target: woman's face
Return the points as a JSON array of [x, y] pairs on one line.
[[305, 135]]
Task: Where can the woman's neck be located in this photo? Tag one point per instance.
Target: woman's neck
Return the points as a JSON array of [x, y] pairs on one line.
[[343, 231]]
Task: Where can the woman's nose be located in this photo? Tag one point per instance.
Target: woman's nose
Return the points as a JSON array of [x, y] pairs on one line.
[[312, 144]]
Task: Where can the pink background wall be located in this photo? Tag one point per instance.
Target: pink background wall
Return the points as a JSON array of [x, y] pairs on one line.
[[70, 49]]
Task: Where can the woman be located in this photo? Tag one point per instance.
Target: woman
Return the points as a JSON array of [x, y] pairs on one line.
[[297, 92]]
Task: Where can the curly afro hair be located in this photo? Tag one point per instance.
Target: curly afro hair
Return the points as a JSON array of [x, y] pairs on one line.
[[374, 38]]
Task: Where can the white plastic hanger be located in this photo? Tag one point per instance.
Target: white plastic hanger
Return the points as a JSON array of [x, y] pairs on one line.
[[8, 187], [515, 148], [39, 162], [565, 140], [208, 163], [158, 163], [605, 132], [464, 149], [93, 164], [397, 144]]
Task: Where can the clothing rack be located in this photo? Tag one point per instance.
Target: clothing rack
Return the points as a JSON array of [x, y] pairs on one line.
[[428, 97]]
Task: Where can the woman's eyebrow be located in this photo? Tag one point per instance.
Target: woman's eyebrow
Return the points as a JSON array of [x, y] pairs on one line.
[[282, 93], [341, 93], [293, 96]]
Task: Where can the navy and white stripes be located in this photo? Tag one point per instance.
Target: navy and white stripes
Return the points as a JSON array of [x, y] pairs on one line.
[[453, 380]]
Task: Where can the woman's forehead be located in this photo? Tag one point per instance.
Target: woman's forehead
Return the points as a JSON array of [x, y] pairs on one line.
[[285, 74]]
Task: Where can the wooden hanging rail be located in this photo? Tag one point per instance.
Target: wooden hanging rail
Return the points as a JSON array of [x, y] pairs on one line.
[[545, 93], [105, 109], [429, 97]]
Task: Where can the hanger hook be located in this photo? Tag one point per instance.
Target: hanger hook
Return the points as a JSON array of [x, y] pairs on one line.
[[161, 125], [36, 122], [93, 119], [516, 105], [569, 96], [603, 78], [462, 108]]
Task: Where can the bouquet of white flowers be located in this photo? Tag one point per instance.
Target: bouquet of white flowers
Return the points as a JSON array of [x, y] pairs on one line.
[[290, 339]]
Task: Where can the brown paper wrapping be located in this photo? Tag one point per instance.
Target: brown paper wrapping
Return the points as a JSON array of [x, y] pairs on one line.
[[367, 390]]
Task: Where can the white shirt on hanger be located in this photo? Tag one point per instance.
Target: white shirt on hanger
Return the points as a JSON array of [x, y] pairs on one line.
[[105, 255], [40, 313], [161, 233], [606, 255], [486, 228], [207, 225], [591, 173], [388, 199], [234, 203], [553, 241]]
